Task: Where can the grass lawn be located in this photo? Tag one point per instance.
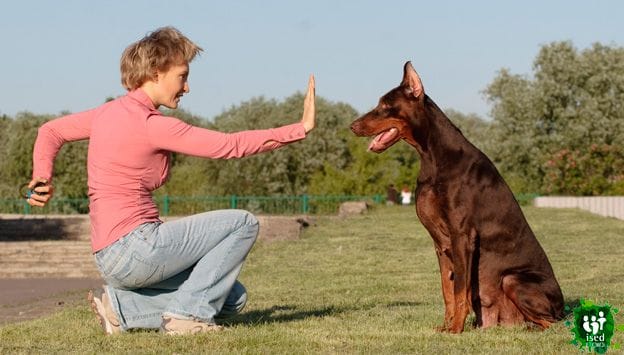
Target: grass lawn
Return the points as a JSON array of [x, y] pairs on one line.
[[367, 284]]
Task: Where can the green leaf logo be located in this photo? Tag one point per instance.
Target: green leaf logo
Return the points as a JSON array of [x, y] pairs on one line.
[[593, 327]]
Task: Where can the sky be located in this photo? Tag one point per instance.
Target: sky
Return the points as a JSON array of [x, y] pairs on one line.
[[61, 55]]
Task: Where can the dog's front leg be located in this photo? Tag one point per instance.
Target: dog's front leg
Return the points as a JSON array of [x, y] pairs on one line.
[[447, 275], [463, 247]]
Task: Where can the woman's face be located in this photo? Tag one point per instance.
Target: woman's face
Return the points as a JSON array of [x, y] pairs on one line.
[[172, 84]]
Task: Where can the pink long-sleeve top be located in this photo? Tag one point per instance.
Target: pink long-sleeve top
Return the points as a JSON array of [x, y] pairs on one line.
[[129, 156]]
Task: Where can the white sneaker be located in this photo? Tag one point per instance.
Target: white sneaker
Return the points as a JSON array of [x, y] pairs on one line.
[[104, 313]]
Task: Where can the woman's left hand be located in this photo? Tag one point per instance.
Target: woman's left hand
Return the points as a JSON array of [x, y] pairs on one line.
[[42, 192], [309, 111]]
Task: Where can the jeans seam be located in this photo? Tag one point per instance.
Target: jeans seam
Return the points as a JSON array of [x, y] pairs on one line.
[[145, 316]]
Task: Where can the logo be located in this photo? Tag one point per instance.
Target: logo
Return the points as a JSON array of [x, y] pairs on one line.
[[593, 327]]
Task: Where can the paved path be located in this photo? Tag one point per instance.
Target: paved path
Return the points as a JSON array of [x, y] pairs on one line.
[[26, 299], [40, 277]]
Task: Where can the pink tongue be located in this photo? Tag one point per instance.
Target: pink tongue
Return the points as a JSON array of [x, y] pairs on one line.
[[382, 139]]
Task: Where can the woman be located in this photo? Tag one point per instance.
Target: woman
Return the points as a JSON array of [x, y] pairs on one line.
[[180, 275]]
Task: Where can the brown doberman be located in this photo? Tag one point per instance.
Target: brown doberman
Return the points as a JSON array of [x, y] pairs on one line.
[[490, 260]]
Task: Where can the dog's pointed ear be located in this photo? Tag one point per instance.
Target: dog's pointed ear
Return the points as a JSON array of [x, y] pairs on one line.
[[411, 81]]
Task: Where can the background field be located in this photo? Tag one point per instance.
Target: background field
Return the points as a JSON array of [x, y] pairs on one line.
[[366, 284]]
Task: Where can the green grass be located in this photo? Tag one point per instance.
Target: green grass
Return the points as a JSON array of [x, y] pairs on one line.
[[367, 284]]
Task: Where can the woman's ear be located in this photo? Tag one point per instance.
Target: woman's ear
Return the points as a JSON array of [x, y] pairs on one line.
[[157, 74]]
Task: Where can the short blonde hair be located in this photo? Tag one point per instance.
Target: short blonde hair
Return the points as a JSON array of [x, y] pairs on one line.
[[157, 51]]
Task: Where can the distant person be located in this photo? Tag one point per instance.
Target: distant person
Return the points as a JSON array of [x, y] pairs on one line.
[[392, 195], [406, 196], [178, 276]]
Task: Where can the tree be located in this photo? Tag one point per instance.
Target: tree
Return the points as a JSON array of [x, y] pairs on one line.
[[16, 165], [596, 170], [574, 100], [5, 133], [70, 176]]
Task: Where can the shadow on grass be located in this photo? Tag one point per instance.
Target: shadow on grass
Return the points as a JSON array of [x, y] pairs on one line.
[[403, 304], [569, 307], [290, 313], [280, 314]]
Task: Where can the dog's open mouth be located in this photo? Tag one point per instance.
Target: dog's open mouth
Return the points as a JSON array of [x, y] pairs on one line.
[[384, 140]]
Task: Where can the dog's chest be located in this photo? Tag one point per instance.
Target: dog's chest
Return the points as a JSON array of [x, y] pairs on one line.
[[428, 209]]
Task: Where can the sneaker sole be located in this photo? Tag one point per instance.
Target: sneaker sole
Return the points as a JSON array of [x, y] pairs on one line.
[[205, 328], [98, 309], [191, 332]]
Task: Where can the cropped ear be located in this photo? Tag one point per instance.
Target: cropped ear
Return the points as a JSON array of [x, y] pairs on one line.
[[411, 81]]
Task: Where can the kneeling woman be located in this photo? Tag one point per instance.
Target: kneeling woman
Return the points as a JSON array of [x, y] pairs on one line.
[[180, 275]]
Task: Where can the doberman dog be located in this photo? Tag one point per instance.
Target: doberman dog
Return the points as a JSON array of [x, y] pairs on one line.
[[490, 260]]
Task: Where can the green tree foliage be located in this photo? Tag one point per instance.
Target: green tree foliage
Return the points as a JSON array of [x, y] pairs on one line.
[[5, 125], [18, 137], [16, 165], [574, 100]]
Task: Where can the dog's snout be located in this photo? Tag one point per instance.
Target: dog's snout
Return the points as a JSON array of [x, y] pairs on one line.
[[357, 127]]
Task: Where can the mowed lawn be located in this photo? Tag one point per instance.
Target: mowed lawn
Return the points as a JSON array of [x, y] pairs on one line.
[[365, 284]]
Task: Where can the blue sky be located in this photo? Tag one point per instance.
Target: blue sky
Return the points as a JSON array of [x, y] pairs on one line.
[[64, 55]]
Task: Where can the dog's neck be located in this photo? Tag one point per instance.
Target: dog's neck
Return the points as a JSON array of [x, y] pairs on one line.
[[440, 143]]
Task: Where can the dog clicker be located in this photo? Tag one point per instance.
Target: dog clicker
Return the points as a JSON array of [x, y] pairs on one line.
[[26, 192]]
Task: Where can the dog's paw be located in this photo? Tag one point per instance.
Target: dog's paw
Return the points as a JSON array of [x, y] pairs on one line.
[[441, 329]]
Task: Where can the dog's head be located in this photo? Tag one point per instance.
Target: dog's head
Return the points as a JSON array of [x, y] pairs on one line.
[[396, 115]]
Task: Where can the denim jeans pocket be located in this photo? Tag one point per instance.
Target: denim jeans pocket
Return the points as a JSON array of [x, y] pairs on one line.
[[135, 271], [127, 264]]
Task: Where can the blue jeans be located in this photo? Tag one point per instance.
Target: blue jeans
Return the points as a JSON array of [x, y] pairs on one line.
[[186, 268]]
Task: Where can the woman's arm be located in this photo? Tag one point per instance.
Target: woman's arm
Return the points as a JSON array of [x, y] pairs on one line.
[[175, 135], [172, 134], [50, 138]]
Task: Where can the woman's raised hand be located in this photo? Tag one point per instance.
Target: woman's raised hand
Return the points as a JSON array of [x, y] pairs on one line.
[[309, 111]]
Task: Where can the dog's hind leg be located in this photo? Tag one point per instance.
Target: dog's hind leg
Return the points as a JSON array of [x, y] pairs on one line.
[[531, 300]]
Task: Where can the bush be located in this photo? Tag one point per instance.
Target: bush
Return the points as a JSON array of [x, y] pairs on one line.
[[598, 170]]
